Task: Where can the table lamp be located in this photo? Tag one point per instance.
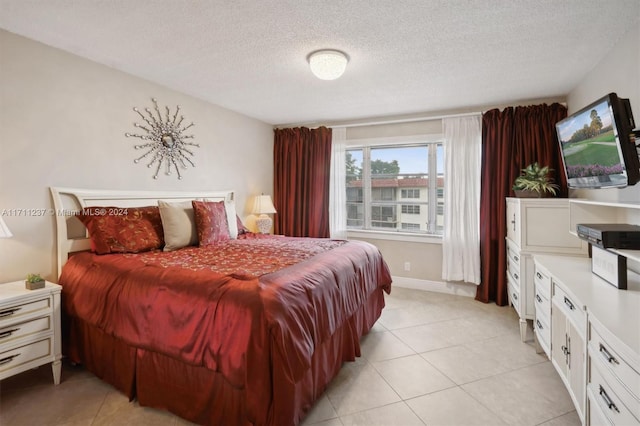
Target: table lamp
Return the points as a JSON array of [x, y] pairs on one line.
[[263, 206]]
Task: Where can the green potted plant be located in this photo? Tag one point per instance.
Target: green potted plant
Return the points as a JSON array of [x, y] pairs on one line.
[[34, 282], [534, 182]]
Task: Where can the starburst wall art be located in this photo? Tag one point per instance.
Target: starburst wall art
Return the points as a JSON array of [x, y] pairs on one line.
[[165, 141]]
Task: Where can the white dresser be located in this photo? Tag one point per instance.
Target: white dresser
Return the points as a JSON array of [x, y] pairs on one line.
[[595, 340], [534, 225], [29, 329]]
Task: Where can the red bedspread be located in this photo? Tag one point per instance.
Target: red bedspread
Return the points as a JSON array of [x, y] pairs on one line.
[[240, 308]]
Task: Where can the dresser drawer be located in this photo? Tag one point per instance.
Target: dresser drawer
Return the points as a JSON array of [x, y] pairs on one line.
[[596, 415], [514, 295], [542, 282], [23, 329], [514, 270], [543, 332], [608, 399], [574, 311], [543, 305], [17, 313], [621, 376], [512, 254], [23, 355]]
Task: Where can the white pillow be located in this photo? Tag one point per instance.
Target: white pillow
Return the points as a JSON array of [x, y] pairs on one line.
[[230, 208], [179, 224]]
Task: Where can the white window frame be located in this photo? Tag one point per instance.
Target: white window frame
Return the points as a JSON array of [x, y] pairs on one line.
[[397, 142]]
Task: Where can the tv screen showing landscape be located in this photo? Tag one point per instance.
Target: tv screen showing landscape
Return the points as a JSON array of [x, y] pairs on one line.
[[588, 140]]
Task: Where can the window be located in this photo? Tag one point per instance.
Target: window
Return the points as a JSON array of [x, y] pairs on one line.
[[410, 209], [411, 226], [411, 193], [396, 188]]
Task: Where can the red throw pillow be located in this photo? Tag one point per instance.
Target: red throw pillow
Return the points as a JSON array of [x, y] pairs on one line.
[[123, 229], [211, 222]]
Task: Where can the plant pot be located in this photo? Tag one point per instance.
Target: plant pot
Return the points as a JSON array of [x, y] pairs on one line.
[[34, 285], [523, 193]]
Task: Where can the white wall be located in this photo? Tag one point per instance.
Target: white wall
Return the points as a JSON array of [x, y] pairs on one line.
[[618, 72], [63, 120]]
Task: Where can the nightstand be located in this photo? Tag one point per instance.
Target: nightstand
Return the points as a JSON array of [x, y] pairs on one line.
[[29, 329]]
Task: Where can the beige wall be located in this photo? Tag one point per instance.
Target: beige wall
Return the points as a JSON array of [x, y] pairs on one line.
[[425, 259], [63, 120], [618, 72]]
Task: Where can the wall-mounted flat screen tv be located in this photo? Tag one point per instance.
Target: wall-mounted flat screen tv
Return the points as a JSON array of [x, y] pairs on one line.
[[598, 149]]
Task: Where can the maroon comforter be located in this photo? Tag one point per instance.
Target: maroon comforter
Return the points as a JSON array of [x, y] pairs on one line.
[[241, 308]]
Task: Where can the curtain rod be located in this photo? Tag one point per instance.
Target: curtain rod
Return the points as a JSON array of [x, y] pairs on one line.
[[401, 120], [404, 120]]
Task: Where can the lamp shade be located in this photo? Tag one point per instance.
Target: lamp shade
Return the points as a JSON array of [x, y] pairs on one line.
[[328, 64], [263, 205], [4, 229]]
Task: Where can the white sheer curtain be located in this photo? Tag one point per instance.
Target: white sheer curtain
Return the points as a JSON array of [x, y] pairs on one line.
[[337, 193], [461, 242]]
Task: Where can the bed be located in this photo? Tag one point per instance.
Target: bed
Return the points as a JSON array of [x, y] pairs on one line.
[[247, 329]]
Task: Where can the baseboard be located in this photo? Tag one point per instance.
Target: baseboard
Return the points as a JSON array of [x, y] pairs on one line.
[[459, 289]]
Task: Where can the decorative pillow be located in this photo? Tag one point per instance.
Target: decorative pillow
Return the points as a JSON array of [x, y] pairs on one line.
[[241, 228], [123, 229], [230, 208], [179, 224], [211, 222]]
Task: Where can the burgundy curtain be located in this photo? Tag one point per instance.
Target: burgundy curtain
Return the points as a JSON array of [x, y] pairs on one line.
[[302, 162], [511, 140]]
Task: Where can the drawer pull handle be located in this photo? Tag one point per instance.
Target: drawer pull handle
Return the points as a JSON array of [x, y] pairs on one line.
[[569, 303], [607, 355], [516, 258], [8, 333], [539, 325], [8, 359], [513, 222], [515, 296], [515, 276], [607, 400], [8, 312], [565, 350], [539, 275], [538, 298]]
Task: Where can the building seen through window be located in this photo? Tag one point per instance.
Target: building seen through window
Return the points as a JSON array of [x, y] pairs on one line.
[[396, 188]]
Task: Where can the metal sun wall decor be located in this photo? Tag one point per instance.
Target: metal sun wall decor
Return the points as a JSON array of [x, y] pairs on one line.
[[166, 141]]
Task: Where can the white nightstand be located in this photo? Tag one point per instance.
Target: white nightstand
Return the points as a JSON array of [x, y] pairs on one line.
[[29, 329]]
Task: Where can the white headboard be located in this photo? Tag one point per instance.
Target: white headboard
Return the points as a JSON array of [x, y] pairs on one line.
[[71, 236]]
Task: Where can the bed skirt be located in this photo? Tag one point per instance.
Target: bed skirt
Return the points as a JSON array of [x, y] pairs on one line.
[[204, 396]]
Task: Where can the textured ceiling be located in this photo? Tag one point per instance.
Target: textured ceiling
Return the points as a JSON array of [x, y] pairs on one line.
[[406, 56]]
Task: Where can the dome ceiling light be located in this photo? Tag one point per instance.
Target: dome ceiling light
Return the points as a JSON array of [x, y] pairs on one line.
[[327, 64]]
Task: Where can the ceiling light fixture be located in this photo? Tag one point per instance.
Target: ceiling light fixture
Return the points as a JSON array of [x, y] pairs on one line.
[[327, 64]]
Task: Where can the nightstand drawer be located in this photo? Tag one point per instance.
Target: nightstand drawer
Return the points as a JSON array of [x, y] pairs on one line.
[[16, 331], [24, 355], [20, 312]]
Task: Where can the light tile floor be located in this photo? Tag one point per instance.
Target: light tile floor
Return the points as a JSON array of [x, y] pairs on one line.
[[431, 359]]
